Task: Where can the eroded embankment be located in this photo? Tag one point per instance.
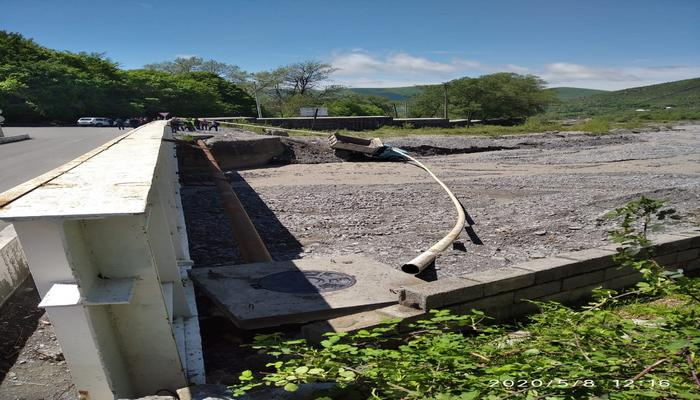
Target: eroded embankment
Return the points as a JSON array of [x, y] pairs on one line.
[[541, 199]]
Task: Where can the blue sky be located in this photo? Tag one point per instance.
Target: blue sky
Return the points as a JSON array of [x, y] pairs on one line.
[[609, 44]]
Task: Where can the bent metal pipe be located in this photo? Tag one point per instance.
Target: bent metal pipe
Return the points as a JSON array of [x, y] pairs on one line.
[[426, 258]]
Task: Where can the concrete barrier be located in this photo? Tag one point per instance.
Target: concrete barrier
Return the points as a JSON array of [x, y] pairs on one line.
[[12, 139], [106, 244], [568, 278], [13, 263]]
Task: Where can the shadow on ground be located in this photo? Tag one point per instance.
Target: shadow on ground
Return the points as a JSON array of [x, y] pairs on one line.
[[19, 317]]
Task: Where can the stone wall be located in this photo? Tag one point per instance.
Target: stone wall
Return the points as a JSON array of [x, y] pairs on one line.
[[13, 265], [566, 278]]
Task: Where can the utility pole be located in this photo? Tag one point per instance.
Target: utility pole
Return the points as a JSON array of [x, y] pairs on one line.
[[444, 87], [257, 103]]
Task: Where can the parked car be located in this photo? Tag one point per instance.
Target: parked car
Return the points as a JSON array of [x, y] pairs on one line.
[[94, 121]]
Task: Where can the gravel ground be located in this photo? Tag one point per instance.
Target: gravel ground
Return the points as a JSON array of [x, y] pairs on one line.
[[32, 365], [542, 198]]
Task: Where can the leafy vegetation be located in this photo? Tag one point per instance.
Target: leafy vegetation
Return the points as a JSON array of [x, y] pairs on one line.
[[642, 343], [532, 125], [570, 93], [500, 95], [38, 84]]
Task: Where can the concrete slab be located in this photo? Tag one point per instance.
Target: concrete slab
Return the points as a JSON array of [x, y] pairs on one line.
[[286, 292]]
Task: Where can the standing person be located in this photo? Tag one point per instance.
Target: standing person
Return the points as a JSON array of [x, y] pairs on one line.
[[197, 124], [190, 124], [120, 123], [215, 125], [204, 124], [174, 125]]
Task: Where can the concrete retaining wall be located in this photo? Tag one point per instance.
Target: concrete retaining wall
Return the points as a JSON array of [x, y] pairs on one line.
[[362, 123], [422, 122], [245, 152], [567, 278], [13, 264], [329, 123]]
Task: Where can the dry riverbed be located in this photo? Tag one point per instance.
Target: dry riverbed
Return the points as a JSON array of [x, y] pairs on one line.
[[545, 194]]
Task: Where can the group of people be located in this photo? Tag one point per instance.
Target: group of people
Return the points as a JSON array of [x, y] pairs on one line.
[[193, 124], [131, 122]]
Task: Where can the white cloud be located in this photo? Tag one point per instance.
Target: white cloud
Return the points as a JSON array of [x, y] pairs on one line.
[[359, 68], [613, 78]]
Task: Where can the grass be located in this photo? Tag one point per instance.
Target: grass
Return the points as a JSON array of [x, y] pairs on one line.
[[533, 125], [536, 124]]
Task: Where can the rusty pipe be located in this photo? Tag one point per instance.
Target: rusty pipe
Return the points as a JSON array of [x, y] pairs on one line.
[[250, 245], [426, 258]]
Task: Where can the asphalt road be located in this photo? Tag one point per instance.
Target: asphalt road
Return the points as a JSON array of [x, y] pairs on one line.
[[47, 149]]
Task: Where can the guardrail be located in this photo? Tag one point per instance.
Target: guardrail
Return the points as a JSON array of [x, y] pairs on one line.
[[106, 243]]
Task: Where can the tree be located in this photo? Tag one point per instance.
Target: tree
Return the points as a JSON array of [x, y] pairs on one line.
[[427, 103], [507, 95], [304, 76], [180, 65], [259, 85], [38, 84], [500, 95]]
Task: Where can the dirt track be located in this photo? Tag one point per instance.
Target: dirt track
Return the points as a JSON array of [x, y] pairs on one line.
[[543, 198]]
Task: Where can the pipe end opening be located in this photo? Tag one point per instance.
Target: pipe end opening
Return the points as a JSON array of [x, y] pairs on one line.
[[410, 269]]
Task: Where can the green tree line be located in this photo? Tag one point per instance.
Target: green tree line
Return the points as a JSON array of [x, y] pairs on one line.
[[40, 85]]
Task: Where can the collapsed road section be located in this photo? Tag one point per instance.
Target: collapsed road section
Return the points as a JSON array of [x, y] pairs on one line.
[[534, 197], [107, 245]]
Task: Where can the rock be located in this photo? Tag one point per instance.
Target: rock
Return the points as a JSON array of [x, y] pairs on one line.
[[575, 227], [540, 233], [50, 353]]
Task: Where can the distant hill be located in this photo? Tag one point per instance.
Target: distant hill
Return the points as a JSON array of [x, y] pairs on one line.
[[683, 94], [577, 102], [396, 93], [403, 93], [569, 93]]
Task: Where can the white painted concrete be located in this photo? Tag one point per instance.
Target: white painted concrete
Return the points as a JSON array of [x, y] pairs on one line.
[[13, 264], [105, 237]]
